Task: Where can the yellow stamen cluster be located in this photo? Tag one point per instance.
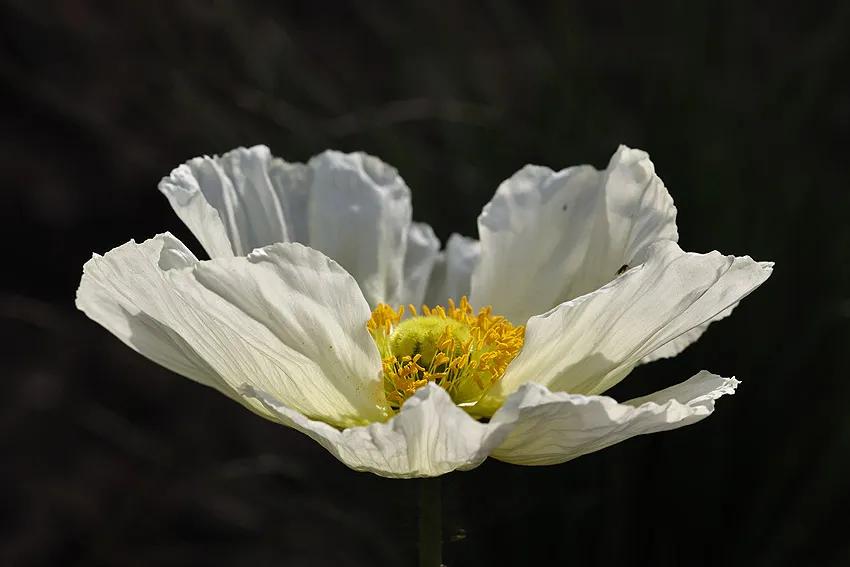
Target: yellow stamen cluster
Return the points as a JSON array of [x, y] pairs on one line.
[[463, 352]]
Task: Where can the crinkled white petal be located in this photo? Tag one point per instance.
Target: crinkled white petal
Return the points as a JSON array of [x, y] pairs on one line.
[[184, 190], [359, 215], [312, 307], [286, 319], [590, 343], [450, 278], [430, 436], [423, 248], [548, 237], [553, 427], [238, 201], [353, 207], [292, 184], [105, 298]]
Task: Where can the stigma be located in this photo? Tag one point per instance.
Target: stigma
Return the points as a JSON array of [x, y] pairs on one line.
[[461, 351]]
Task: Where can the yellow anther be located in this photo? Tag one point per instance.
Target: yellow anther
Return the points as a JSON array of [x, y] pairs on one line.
[[463, 351]]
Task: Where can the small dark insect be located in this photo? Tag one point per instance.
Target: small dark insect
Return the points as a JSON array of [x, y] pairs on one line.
[[564, 208], [622, 269]]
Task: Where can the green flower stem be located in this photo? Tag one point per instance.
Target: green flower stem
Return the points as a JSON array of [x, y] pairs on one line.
[[430, 523]]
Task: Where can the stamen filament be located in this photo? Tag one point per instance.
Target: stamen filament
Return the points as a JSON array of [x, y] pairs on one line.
[[462, 351]]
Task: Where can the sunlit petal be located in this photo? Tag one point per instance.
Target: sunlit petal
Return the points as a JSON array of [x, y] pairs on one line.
[[553, 427], [429, 436], [589, 344], [548, 237], [285, 318], [450, 278]]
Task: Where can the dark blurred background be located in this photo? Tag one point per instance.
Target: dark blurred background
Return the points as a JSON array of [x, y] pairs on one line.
[[108, 459]]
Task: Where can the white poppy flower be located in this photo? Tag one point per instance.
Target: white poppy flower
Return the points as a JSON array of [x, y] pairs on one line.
[[576, 279]]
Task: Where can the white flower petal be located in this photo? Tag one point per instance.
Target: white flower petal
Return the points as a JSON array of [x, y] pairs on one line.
[[423, 247], [360, 215], [430, 436], [292, 183], [286, 319], [353, 207], [104, 298], [184, 192], [238, 201], [450, 278], [553, 427], [311, 306], [590, 343], [548, 237]]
